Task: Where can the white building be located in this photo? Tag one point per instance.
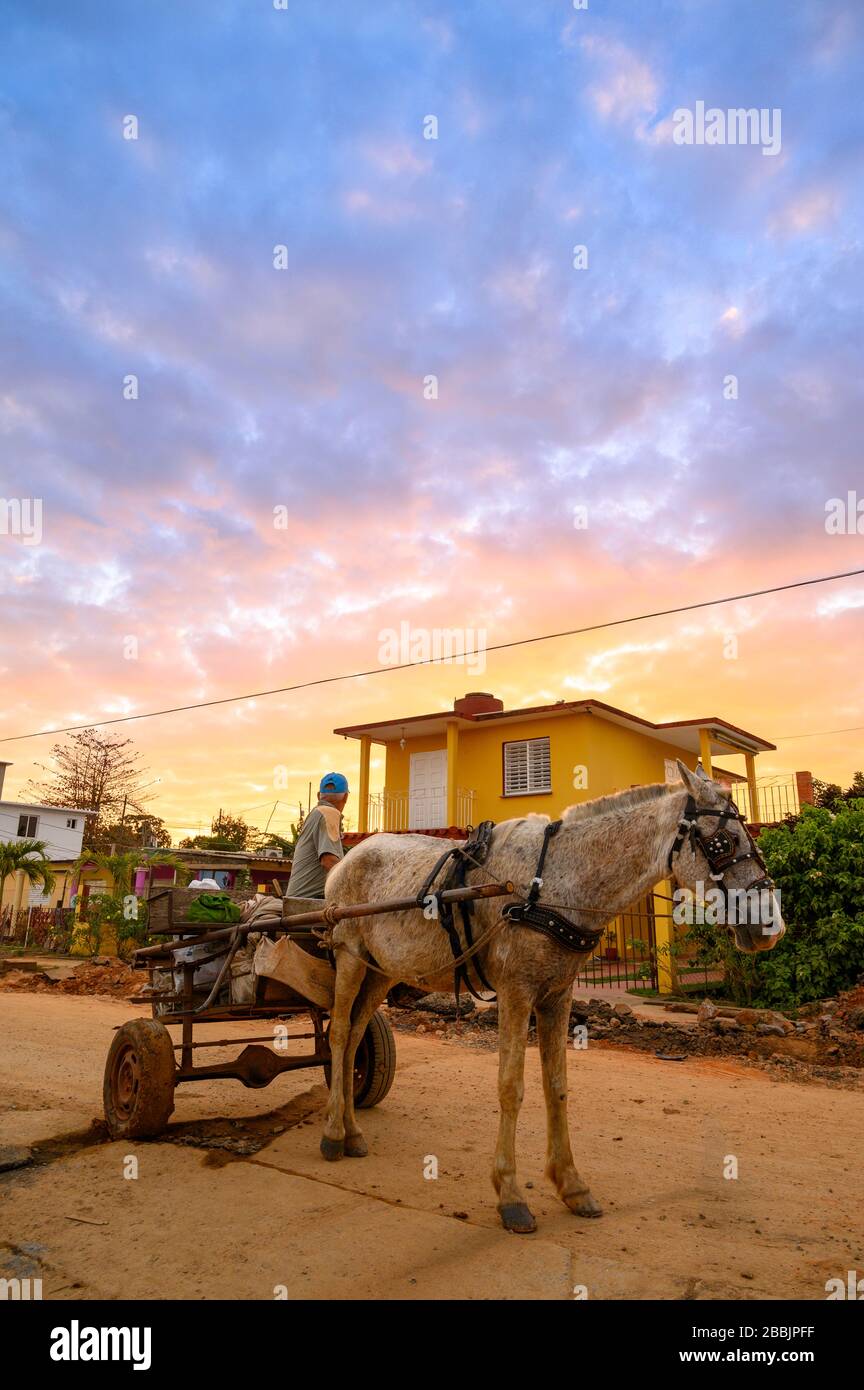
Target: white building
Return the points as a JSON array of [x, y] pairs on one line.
[[61, 828]]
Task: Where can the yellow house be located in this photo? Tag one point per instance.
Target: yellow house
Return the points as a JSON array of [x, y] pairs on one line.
[[479, 761], [482, 762]]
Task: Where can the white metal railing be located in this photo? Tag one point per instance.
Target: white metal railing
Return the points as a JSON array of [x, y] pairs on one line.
[[464, 807], [390, 810], [778, 797]]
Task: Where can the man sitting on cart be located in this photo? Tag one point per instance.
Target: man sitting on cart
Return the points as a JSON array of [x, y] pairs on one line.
[[319, 844]]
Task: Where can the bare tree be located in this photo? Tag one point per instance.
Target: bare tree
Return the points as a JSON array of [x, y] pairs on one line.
[[97, 772]]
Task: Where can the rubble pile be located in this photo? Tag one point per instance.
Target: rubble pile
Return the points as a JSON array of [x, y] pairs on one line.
[[106, 976], [824, 1039]]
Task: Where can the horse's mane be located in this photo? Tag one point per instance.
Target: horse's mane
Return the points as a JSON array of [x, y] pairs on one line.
[[618, 801]]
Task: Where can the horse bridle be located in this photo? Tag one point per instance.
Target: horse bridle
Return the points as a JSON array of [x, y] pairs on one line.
[[719, 848]]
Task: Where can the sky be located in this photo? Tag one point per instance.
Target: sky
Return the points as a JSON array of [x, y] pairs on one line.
[[428, 408]]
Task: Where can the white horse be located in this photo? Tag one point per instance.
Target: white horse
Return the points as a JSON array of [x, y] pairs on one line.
[[608, 853]]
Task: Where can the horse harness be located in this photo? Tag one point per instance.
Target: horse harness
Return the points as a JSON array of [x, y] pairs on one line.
[[719, 850], [532, 913]]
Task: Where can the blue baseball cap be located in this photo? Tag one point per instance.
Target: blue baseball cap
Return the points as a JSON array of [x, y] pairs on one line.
[[333, 782]]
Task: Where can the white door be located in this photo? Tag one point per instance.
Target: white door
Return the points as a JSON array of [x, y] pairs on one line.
[[427, 790]]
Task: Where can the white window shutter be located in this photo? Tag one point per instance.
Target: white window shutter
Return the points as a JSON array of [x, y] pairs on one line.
[[527, 767]]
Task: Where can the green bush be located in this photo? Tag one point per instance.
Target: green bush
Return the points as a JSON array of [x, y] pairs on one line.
[[818, 865]]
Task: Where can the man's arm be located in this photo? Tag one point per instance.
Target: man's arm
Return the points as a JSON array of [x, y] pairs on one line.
[[327, 861]]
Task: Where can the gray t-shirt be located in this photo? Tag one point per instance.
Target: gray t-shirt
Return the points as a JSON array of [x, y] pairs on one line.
[[321, 834]]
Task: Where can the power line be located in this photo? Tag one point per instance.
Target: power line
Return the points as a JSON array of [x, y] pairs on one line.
[[820, 733], [436, 661]]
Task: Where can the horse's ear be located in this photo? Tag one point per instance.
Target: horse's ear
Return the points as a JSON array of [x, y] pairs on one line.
[[693, 783]]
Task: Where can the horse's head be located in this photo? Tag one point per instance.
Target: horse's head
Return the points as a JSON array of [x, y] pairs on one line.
[[716, 858]]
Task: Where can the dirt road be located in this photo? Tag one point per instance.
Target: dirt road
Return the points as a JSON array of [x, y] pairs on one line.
[[200, 1222]]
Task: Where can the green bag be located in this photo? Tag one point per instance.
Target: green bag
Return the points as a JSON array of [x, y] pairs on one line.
[[213, 907]]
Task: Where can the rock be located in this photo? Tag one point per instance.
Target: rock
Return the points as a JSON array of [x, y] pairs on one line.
[[782, 1022], [14, 1156], [622, 1010], [404, 996], [599, 1006], [855, 1019], [770, 1030], [748, 1018], [706, 1012], [445, 1005], [727, 1025]]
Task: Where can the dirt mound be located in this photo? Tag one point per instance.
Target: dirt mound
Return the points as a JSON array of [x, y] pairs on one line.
[[758, 1035], [113, 979], [32, 981], [850, 1008]]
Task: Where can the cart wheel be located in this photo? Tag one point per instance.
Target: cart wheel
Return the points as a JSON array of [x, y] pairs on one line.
[[374, 1064], [138, 1091]]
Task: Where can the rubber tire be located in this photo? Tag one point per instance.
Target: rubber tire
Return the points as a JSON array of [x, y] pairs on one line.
[[382, 1069], [152, 1103]]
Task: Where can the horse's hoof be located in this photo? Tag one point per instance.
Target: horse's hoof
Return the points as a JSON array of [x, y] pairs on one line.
[[332, 1148], [355, 1146], [583, 1204], [517, 1218]]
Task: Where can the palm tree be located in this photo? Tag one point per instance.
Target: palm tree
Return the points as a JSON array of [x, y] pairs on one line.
[[29, 856], [110, 910], [122, 866]]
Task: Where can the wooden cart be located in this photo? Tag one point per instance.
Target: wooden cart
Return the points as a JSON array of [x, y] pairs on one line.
[[143, 1066]]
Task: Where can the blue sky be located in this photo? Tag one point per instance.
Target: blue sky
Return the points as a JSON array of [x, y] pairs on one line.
[[409, 257]]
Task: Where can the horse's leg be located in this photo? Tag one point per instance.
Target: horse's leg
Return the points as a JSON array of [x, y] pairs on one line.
[[349, 977], [372, 991], [552, 1022], [514, 1011]]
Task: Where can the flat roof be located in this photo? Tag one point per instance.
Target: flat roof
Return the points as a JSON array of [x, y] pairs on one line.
[[681, 733], [40, 806]]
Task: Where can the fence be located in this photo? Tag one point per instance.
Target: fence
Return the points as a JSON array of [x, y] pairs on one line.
[[627, 956], [778, 798], [48, 928], [390, 810]]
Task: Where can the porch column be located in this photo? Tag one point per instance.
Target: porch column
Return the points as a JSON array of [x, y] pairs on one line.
[[664, 937], [750, 764], [452, 749], [705, 750], [363, 791]]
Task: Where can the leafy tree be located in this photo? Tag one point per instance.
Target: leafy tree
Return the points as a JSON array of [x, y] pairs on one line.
[[818, 865], [31, 856], [271, 841], [831, 794], [228, 833], [139, 829]]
